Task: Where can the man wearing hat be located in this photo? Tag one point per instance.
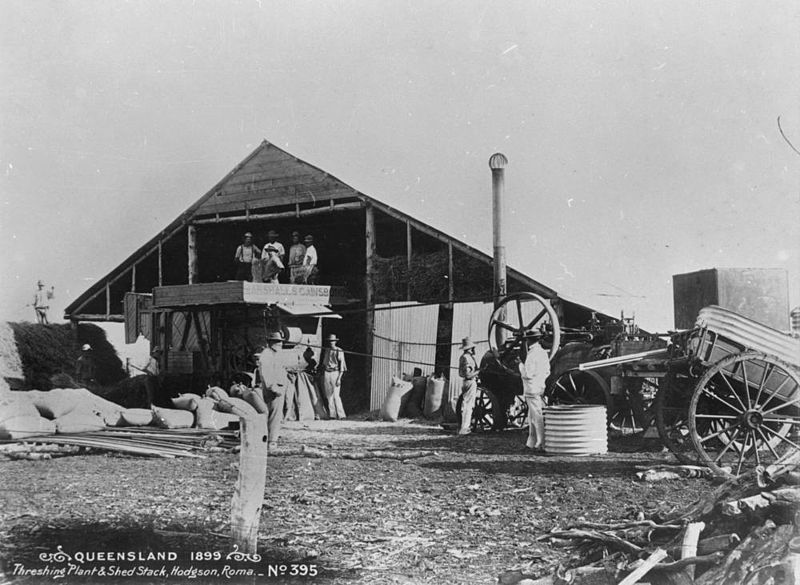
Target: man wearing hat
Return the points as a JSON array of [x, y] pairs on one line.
[[272, 369], [246, 254], [310, 261], [468, 370], [273, 265], [297, 254], [41, 303], [84, 366], [333, 366]]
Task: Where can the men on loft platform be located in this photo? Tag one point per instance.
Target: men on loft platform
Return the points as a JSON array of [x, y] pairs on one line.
[[246, 255], [310, 261], [297, 254]]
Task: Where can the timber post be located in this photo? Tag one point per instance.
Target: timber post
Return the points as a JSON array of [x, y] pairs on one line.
[[191, 237], [369, 291], [248, 496]]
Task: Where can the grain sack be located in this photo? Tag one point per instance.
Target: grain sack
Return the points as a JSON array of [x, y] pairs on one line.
[[216, 393], [222, 420], [395, 399], [137, 417], [254, 399], [53, 404], [434, 391], [416, 397], [204, 415], [169, 418], [186, 402], [19, 417], [235, 406], [79, 421]]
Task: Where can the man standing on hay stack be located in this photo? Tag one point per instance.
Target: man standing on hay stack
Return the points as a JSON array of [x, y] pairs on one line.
[[41, 303], [468, 370], [272, 367]]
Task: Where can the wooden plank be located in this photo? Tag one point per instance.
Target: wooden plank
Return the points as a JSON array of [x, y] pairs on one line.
[[191, 252], [96, 318], [160, 264], [369, 292], [275, 199], [283, 214], [450, 284], [248, 496], [133, 278], [108, 298]]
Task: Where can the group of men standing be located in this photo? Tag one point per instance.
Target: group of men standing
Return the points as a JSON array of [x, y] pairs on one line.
[[257, 265], [273, 368], [534, 371]]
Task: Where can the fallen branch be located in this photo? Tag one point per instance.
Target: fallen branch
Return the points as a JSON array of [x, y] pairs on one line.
[[593, 535], [315, 453], [703, 560]]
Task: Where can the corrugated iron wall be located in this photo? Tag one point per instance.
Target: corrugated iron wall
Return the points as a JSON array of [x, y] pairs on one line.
[[406, 335], [469, 320]]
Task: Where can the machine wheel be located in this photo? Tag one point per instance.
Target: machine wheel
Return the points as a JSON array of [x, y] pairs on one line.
[[517, 416], [633, 410], [518, 322], [744, 413], [577, 387], [672, 417], [488, 413]]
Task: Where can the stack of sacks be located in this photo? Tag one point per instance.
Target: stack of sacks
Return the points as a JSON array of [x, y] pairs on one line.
[[434, 393], [396, 399], [416, 397], [20, 419], [76, 410], [217, 410]]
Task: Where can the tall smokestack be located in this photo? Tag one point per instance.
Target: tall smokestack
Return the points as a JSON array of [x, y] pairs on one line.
[[498, 162]]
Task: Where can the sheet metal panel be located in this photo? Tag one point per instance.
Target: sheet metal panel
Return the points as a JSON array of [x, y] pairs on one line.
[[407, 336], [469, 320], [750, 334]]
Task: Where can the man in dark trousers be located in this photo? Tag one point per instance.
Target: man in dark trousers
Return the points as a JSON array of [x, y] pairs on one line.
[[245, 255], [272, 368], [333, 366]]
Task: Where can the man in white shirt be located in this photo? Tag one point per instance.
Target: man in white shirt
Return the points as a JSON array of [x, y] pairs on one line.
[[310, 261], [272, 368], [297, 254], [246, 254], [534, 371]]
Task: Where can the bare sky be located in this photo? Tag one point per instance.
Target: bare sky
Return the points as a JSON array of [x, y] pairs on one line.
[[642, 136]]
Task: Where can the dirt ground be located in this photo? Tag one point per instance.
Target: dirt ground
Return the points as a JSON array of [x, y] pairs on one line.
[[463, 515]]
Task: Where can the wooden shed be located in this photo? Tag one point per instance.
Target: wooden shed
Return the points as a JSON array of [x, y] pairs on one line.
[[177, 288]]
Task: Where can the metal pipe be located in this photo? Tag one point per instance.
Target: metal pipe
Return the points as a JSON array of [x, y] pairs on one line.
[[498, 162]]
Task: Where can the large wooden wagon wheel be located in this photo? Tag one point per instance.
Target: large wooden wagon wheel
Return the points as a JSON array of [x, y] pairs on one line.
[[518, 322], [671, 409], [745, 412], [577, 387]]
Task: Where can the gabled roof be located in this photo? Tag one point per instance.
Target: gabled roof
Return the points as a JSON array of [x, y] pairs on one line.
[[270, 177]]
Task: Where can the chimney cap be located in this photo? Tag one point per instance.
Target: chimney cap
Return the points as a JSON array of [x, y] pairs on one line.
[[497, 161]]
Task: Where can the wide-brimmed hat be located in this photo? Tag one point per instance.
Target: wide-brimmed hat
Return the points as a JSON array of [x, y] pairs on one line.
[[466, 343], [40, 283], [248, 235], [296, 234], [272, 234], [275, 336], [308, 239], [86, 347], [331, 337]]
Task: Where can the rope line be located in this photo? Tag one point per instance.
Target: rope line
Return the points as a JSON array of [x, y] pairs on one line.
[[425, 344]]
